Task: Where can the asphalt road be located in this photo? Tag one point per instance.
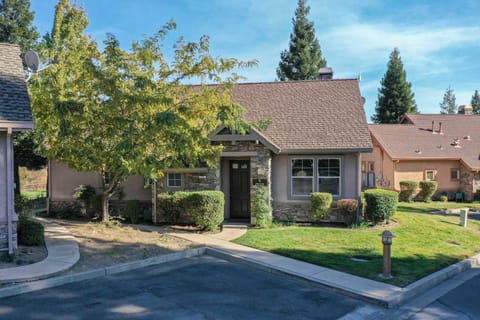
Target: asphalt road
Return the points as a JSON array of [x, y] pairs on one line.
[[195, 288]]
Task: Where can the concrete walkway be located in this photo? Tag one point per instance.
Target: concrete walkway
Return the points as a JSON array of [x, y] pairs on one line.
[[62, 250]]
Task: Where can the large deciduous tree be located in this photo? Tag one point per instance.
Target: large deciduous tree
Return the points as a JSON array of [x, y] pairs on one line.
[[303, 59], [395, 97], [448, 104], [475, 102], [122, 113]]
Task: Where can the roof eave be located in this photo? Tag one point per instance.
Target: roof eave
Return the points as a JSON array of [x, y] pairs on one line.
[[16, 125], [327, 150]]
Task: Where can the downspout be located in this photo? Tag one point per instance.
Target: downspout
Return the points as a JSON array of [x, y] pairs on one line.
[[10, 186]]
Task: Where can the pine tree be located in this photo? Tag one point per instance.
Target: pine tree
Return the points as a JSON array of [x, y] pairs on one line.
[[395, 97], [16, 23], [475, 102], [448, 105], [304, 57]]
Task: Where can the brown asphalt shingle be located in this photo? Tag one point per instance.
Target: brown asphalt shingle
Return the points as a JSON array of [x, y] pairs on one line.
[[14, 99], [318, 115], [415, 140]]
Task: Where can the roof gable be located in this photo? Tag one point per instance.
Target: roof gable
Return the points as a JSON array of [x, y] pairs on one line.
[[308, 116], [452, 137], [14, 99]]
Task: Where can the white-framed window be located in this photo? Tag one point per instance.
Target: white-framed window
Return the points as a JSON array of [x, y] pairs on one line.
[[329, 175], [174, 180], [430, 175], [301, 175], [454, 174], [318, 174]]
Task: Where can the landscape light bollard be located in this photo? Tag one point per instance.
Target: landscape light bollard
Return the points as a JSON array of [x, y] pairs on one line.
[[463, 217], [387, 237]]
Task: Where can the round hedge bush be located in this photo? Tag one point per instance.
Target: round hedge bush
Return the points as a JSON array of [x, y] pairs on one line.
[[381, 204], [407, 190], [30, 232], [321, 203], [428, 189]]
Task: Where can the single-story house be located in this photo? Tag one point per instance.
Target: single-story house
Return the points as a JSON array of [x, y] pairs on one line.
[[15, 115], [439, 147], [318, 131]]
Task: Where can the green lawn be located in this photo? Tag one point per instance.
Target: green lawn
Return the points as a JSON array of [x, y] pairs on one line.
[[424, 243]]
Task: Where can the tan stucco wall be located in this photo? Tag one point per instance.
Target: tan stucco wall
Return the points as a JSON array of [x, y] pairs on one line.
[[63, 180], [395, 171], [415, 170]]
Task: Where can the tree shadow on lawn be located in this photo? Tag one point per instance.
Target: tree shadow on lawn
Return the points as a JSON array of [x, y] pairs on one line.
[[405, 270]]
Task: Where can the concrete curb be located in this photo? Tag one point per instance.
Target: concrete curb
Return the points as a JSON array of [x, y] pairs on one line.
[[391, 300], [96, 273]]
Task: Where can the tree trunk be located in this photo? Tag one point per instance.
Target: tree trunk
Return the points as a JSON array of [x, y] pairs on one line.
[[105, 213]]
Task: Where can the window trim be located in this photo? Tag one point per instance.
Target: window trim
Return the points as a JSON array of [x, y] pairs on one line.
[[434, 174], [315, 182], [301, 177], [458, 175], [168, 180], [339, 177]]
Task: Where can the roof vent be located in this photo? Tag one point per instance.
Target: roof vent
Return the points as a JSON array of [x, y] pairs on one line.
[[456, 143], [325, 73], [440, 147], [417, 151], [468, 138]]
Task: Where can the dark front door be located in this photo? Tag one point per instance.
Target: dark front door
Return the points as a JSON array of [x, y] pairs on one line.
[[240, 189]]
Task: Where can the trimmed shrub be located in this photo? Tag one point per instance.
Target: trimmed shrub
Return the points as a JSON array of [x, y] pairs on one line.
[[348, 208], [132, 210], [88, 196], [443, 198], [321, 203], [203, 208], [381, 204], [261, 210], [428, 189], [23, 205], [408, 189], [30, 232]]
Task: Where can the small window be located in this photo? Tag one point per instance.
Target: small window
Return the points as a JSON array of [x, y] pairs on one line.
[[430, 175], [174, 180], [455, 174]]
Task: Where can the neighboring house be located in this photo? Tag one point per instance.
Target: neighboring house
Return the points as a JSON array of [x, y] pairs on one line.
[[15, 115], [318, 131], [442, 148]]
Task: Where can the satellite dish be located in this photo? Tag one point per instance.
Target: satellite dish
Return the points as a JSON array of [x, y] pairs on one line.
[[31, 60]]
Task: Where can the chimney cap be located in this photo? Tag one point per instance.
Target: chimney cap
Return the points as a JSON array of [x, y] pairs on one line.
[[325, 73]]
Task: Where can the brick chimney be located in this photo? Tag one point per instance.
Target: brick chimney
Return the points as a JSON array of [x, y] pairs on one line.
[[466, 109], [325, 73]]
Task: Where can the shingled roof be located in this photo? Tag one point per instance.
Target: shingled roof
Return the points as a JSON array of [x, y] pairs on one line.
[[14, 99], [415, 140], [308, 116]]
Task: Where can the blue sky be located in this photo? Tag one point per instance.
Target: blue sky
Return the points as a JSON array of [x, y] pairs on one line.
[[439, 41]]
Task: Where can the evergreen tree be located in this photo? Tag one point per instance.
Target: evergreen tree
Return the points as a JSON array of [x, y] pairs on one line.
[[475, 102], [304, 57], [395, 97], [448, 105], [16, 23]]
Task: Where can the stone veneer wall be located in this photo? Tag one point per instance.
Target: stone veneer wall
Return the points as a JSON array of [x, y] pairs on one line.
[[301, 212], [469, 182], [260, 164]]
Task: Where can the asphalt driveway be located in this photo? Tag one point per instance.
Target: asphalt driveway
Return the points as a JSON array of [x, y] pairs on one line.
[[195, 288]]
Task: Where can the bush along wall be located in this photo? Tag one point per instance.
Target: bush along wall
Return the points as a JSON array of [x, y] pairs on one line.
[[428, 189], [261, 209], [408, 189], [30, 232], [321, 205], [202, 208], [381, 204], [347, 209]]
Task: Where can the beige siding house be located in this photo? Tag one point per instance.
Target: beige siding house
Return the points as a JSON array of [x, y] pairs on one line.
[[442, 148], [15, 115], [317, 133]]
